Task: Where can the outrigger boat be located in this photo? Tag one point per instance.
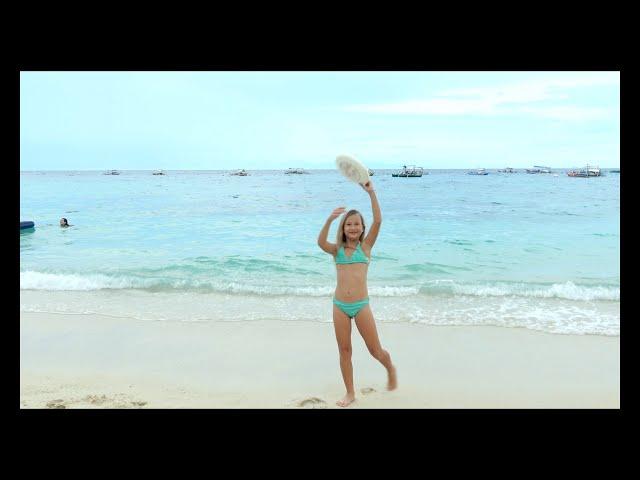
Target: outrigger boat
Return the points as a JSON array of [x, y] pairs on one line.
[[479, 171], [588, 171], [410, 171], [296, 171], [538, 169]]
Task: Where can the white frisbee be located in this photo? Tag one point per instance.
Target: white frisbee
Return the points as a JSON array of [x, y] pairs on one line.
[[352, 169]]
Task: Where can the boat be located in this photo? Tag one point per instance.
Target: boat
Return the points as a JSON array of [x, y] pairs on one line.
[[587, 171], [508, 170], [538, 169], [479, 171], [111, 172], [158, 172], [594, 171], [371, 172], [297, 171], [241, 173], [410, 171]]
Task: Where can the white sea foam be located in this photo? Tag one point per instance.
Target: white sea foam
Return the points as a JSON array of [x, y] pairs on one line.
[[54, 281], [567, 290], [30, 280], [552, 315]]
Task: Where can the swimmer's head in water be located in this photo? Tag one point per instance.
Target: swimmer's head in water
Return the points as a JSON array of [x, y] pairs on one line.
[[63, 222]]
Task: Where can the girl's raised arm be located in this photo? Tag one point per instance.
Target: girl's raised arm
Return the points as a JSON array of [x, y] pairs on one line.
[[377, 215], [322, 237]]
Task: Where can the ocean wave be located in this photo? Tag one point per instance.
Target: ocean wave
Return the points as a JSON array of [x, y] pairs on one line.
[[53, 281], [75, 282], [567, 290], [30, 280]]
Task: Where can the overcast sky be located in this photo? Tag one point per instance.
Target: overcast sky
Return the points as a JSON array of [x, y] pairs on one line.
[[277, 120]]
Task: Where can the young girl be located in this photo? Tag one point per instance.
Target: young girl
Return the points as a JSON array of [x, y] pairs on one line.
[[352, 253]]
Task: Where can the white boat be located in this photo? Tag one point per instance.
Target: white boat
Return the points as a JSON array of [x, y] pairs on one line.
[[538, 169], [297, 171], [241, 173], [479, 171], [158, 172], [508, 170], [410, 171], [588, 171], [593, 171]]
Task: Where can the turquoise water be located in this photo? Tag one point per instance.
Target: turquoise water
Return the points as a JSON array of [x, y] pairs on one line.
[[533, 251]]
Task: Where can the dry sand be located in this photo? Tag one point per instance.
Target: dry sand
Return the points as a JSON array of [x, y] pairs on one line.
[[95, 361]]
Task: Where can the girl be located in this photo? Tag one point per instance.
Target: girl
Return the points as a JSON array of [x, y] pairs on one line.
[[352, 253]]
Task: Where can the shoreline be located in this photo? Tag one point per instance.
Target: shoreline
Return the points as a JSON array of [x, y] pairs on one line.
[[94, 361], [553, 315]]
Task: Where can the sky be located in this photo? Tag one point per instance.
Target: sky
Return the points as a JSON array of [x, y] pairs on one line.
[[180, 120]]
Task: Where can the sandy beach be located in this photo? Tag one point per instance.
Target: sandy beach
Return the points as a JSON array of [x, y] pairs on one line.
[[97, 361], [179, 252]]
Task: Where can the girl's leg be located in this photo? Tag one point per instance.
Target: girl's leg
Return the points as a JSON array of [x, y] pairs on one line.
[[367, 328], [342, 326]]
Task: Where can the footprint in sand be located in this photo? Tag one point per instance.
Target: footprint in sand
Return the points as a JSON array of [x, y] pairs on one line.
[[96, 399], [313, 402], [367, 390], [58, 403]]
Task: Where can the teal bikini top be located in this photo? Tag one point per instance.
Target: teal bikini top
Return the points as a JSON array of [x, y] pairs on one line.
[[357, 257]]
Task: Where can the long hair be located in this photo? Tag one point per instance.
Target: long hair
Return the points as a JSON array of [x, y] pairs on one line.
[[341, 237]]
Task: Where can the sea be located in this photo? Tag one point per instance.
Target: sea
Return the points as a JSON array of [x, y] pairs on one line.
[[514, 250]]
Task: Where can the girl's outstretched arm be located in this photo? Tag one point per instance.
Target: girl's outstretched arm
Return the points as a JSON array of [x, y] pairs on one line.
[[377, 215], [322, 237]]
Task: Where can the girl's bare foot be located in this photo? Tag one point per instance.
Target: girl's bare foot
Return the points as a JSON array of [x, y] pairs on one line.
[[347, 400], [392, 384]]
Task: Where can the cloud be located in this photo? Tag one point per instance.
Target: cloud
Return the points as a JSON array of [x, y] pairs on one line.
[[507, 99], [428, 107], [567, 113]]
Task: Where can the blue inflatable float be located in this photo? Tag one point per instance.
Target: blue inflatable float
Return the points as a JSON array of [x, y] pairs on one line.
[[25, 225]]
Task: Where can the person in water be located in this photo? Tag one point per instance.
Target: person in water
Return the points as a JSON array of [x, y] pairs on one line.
[[352, 253], [64, 223]]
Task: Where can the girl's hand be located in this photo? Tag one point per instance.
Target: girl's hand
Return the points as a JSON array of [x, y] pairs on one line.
[[336, 213], [368, 187]]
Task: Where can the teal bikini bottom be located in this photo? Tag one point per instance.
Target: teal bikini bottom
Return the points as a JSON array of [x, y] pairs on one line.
[[351, 309]]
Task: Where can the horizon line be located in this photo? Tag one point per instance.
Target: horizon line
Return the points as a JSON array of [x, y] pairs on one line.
[[277, 169]]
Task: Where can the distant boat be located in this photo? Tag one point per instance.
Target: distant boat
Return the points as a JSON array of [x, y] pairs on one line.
[[371, 172], [158, 172], [241, 173], [410, 171], [538, 169], [508, 170], [588, 171], [297, 171], [479, 171], [111, 172]]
